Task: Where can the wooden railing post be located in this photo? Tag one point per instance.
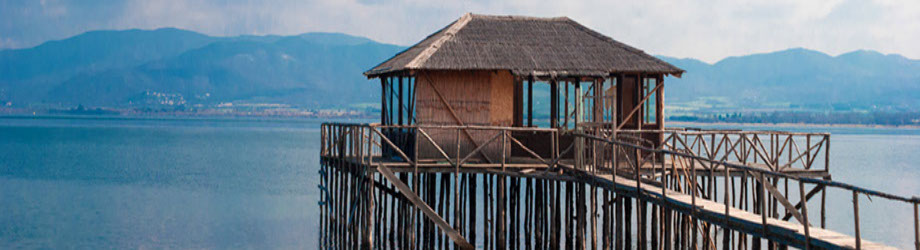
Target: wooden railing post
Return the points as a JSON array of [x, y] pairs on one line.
[[856, 219], [727, 234], [827, 152], [322, 140], [916, 224], [805, 214], [504, 141]]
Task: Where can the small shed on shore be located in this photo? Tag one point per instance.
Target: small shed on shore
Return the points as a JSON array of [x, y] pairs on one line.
[[481, 70]]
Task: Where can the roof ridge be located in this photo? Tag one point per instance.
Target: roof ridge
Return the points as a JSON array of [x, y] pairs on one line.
[[448, 34], [518, 17]]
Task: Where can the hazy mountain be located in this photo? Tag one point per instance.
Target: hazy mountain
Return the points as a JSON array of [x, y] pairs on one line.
[[312, 70], [26, 75], [799, 79], [127, 68]]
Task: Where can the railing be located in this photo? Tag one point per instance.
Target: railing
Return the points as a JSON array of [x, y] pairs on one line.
[[679, 172], [441, 146], [774, 150]]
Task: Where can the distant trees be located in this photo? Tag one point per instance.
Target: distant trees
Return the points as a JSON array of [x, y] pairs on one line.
[[859, 118]]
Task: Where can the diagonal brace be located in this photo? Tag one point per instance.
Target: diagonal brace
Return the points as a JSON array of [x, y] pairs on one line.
[[433, 216]]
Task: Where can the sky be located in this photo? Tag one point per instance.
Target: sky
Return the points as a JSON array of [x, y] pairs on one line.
[[709, 30]]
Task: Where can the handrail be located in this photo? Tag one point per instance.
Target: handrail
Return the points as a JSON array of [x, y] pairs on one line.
[[762, 171], [472, 127]]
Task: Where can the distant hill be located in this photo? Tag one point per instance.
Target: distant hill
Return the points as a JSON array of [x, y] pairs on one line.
[[798, 79], [117, 68], [135, 68]]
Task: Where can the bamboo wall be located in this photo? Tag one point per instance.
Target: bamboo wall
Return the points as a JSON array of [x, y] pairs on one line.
[[476, 98]]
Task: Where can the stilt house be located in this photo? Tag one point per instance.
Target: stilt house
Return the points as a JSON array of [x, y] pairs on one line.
[[487, 71]]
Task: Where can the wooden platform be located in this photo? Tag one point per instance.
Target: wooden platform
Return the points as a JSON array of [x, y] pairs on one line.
[[522, 163]]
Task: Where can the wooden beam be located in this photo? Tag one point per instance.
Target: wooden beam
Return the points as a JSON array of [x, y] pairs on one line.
[[414, 199], [779, 197], [553, 104], [383, 100], [518, 106], [400, 96], [530, 102]]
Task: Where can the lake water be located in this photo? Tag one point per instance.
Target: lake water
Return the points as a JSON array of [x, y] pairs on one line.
[[241, 183]]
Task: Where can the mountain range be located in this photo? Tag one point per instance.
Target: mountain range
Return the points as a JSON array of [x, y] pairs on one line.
[[138, 68], [798, 79], [122, 68]]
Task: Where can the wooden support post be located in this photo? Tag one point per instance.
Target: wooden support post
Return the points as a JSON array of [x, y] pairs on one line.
[[618, 213], [565, 104], [579, 105], [538, 215], [529, 215], [605, 209], [367, 215], [553, 104], [916, 224], [391, 111], [474, 179], [383, 100], [593, 215], [487, 210], [500, 234], [456, 187], [659, 107], [827, 160], [627, 223], [412, 88], [726, 235], [530, 102], [805, 214], [856, 219], [400, 96], [555, 196], [568, 214], [580, 213], [415, 178], [518, 105]]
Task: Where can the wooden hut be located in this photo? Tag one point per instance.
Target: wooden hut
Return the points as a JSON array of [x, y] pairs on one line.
[[481, 70]]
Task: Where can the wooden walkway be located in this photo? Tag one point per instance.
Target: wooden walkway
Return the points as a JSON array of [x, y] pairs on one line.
[[740, 220]]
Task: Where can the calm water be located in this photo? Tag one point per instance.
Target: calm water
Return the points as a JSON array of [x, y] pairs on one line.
[[236, 183]]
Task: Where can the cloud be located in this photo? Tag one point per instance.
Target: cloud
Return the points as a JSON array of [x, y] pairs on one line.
[[708, 30]]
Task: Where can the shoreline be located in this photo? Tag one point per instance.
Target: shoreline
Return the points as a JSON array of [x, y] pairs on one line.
[[799, 125], [162, 116]]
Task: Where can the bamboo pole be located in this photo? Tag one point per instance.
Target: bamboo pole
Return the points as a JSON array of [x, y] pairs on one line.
[[805, 215], [856, 219], [916, 224]]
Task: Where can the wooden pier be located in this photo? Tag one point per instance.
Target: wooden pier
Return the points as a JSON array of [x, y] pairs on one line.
[[459, 201], [464, 157]]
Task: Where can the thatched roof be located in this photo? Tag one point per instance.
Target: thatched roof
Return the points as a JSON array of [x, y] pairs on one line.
[[528, 46]]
